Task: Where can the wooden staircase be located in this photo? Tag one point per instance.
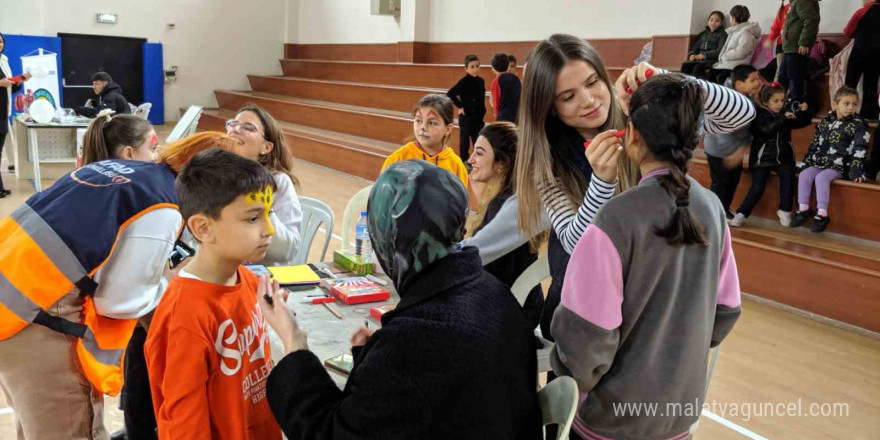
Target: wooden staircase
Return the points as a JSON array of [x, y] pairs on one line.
[[350, 115]]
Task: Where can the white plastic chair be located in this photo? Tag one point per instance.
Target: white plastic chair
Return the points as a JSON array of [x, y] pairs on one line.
[[143, 110], [315, 214], [559, 401], [352, 212], [536, 273], [132, 107], [531, 277]]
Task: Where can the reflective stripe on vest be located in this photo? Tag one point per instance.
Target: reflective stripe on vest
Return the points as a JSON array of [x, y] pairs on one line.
[[35, 260]]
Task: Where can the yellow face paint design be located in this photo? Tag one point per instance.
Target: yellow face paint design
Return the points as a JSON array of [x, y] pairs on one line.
[[264, 197]]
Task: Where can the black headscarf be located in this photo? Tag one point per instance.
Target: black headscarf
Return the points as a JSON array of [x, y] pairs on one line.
[[416, 216]]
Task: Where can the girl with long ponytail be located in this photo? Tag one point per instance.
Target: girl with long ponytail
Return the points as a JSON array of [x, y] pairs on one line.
[[653, 282]]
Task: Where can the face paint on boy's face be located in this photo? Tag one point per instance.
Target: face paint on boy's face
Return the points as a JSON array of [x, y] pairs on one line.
[[265, 198]]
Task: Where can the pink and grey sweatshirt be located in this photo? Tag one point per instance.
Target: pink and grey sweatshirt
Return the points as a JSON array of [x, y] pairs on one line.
[[638, 315]]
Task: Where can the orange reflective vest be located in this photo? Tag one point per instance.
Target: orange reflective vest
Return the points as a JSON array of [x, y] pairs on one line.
[[59, 238]]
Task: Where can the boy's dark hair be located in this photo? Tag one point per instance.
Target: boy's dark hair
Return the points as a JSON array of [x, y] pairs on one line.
[[470, 58], [667, 111], [215, 178], [102, 76], [500, 62], [741, 73], [767, 91], [720, 16], [740, 13], [845, 91], [511, 59]]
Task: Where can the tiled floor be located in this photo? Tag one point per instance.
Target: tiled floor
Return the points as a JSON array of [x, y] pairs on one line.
[[772, 356]]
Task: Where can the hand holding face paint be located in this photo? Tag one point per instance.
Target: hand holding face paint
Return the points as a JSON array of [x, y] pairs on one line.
[[630, 81], [603, 152], [278, 316]]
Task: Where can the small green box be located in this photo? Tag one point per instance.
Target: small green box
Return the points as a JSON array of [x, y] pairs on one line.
[[352, 262]]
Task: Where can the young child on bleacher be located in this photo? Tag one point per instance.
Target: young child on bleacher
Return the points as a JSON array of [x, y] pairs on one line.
[[432, 129], [707, 47], [772, 150], [837, 152], [469, 95], [207, 350]]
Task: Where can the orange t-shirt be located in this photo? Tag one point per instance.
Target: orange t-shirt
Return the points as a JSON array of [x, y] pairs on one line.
[[208, 359]]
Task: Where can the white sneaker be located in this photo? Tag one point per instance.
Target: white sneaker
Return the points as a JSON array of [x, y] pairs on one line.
[[784, 218], [737, 220]]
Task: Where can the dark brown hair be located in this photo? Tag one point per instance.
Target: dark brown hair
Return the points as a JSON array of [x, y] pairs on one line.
[[720, 16], [280, 158], [441, 104], [767, 91], [214, 178], [740, 13], [667, 112], [502, 138], [106, 135]]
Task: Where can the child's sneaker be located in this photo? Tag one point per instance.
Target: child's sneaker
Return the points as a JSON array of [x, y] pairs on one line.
[[737, 220], [801, 217], [820, 223], [784, 218]]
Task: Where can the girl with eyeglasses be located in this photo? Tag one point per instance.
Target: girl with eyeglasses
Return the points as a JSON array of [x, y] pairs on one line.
[[260, 138]]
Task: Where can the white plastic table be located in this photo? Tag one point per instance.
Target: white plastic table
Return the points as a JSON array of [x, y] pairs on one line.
[[34, 147]]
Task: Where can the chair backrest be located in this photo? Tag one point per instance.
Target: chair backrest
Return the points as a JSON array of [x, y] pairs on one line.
[[531, 277], [352, 212], [187, 124], [132, 107], [143, 110], [559, 401], [315, 214]]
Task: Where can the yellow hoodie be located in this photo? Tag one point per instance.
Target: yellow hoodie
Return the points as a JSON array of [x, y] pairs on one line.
[[446, 159]]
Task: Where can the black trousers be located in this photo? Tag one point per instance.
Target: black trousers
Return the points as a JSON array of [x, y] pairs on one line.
[[869, 66], [721, 75], [873, 165], [724, 180], [2, 141], [793, 75], [469, 131], [137, 402], [697, 69], [759, 183]]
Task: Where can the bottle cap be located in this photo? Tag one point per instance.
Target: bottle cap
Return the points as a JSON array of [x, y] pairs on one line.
[[363, 213]]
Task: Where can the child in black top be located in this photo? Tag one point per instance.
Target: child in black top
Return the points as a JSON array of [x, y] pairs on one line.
[[707, 47], [772, 150], [509, 86], [469, 95]]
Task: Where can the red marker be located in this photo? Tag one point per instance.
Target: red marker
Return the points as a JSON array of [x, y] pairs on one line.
[[319, 300], [620, 134]]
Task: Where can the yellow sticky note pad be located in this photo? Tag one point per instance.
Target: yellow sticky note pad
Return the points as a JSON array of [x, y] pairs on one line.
[[293, 275]]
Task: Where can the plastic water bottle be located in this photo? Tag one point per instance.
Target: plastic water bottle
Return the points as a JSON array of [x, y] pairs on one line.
[[363, 247]]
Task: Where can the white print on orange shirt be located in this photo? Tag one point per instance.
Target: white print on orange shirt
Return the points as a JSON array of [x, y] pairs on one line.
[[241, 342], [254, 385]]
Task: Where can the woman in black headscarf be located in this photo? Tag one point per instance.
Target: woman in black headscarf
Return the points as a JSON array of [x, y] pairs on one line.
[[455, 359]]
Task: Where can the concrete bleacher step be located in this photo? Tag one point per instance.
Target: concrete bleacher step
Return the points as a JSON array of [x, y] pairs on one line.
[[854, 208], [827, 274], [355, 155], [388, 97], [383, 125]]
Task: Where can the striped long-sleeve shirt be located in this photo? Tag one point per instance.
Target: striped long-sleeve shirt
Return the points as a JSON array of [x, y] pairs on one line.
[[725, 110]]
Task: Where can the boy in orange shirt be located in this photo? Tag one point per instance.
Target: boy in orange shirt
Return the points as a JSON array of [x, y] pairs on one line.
[[207, 349]]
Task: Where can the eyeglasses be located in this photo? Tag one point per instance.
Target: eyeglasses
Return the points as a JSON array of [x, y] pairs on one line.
[[245, 127]]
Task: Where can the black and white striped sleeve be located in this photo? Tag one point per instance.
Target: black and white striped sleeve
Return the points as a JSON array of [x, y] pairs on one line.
[[568, 225], [725, 110]]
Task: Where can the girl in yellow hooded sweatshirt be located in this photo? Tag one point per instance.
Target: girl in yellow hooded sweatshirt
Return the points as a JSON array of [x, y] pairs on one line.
[[432, 128]]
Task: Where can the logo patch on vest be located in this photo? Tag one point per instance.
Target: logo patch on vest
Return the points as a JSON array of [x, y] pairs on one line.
[[101, 174]]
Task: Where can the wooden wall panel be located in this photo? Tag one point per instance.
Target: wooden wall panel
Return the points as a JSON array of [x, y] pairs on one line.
[[670, 50]]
